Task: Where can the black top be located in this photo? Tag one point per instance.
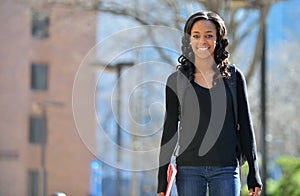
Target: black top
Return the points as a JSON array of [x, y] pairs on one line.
[[223, 151], [208, 135]]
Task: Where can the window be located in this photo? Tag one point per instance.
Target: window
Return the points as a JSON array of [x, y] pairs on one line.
[[39, 76], [39, 25], [37, 130], [33, 183]]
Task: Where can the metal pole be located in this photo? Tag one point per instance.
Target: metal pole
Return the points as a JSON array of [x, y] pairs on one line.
[[44, 172], [118, 175], [43, 141], [263, 111], [118, 68]]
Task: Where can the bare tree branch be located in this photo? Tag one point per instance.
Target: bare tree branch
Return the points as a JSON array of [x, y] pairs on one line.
[[263, 15], [137, 12]]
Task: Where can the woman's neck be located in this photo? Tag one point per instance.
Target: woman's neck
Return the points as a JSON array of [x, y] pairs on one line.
[[204, 73], [204, 66]]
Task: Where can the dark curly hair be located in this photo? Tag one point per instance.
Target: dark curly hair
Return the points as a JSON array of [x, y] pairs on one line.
[[187, 58]]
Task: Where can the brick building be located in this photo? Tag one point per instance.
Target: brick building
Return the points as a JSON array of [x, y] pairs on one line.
[[42, 46]]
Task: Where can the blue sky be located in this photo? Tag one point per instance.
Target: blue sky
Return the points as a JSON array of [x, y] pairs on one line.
[[283, 21]]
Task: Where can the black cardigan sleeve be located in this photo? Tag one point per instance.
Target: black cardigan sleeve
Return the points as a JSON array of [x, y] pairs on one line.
[[248, 142], [169, 136]]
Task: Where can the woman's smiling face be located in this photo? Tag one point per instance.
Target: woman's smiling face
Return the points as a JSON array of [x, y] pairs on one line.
[[203, 39]]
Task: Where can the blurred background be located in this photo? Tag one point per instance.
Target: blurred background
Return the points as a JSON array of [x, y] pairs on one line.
[[82, 91]]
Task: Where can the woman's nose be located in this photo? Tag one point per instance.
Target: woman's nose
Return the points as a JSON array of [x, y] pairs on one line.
[[202, 40]]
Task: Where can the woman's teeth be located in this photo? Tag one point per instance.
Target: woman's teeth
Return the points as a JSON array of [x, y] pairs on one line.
[[202, 49]]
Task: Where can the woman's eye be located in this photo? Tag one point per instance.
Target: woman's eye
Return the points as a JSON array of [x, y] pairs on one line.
[[209, 36], [196, 36]]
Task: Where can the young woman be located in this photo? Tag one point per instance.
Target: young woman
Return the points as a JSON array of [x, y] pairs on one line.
[[208, 131]]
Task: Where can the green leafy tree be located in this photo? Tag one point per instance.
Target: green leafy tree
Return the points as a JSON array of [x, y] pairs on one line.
[[290, 181]]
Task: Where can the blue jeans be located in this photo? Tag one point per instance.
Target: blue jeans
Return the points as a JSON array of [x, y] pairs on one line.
[[194, 181]]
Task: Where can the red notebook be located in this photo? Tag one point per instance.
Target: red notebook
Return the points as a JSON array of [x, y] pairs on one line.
[[172, 171]]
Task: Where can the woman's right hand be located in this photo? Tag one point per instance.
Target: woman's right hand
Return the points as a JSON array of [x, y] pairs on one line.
[[161, 194]]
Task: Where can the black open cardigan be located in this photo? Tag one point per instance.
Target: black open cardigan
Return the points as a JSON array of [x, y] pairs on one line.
[[170, 129]]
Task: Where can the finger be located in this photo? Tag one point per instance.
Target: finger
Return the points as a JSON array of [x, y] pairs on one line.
[[257, 191], [250, 192]]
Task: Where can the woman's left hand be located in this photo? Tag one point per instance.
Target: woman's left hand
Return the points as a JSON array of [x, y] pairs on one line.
[[255, 192]]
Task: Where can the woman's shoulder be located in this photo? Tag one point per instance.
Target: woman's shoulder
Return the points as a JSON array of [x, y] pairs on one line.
[[171, 80], [173, 75], [177, 75], [238, 71]]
